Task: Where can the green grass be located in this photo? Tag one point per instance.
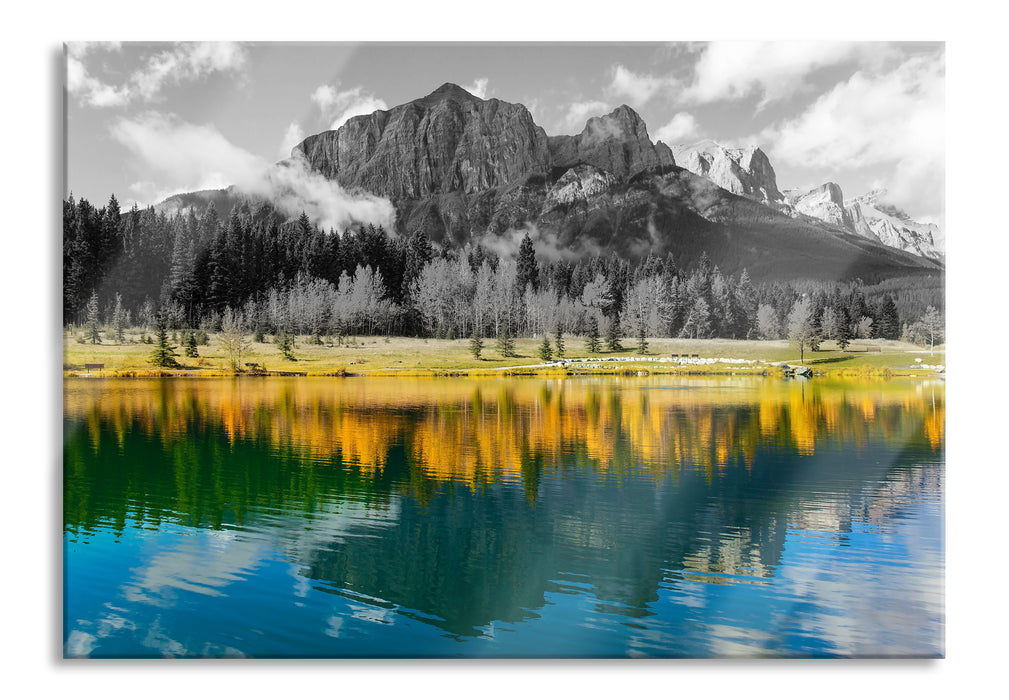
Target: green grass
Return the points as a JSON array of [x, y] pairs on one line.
[[378, 355]]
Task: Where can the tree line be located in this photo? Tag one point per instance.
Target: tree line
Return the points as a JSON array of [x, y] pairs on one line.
[[255, 270]]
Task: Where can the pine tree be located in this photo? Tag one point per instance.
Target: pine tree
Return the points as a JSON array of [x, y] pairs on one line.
[[842, 333], [164, 353], [559, 341], [613, 336], [92, 333], [642, 340], [506, 343], [285, 344], [592, 335], [119, 320], [889, 321], [527, 273], [476, 342], [545, 353], [191, 349]]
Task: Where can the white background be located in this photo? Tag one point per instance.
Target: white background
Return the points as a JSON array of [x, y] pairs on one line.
[[31, 137]]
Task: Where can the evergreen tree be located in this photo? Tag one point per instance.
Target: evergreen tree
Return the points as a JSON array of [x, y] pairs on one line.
[[592, 335], [613, 336], [842, 332], [545, 353], [119, 320], [505, 342], [889, 322], [476, 342], [642, 340], [164, 353], [191, 349], [559, 341], [285, 344], [527, 271], [92, 334]]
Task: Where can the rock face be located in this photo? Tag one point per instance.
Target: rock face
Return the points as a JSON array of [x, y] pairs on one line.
[[742, 171], [874, 219], [464, 170], [825, 203], [449, 141], [617, 143]]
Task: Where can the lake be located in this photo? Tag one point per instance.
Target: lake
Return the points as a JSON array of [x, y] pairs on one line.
[[503, 517]]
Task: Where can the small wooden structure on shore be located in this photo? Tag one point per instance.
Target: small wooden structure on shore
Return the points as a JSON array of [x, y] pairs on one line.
[[96, 367]]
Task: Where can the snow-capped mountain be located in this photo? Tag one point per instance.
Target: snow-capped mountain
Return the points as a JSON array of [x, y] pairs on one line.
[[748, 172], [873, 218], [825, 202], [743, 171]]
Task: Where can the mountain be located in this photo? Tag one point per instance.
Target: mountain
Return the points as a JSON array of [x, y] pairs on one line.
[[748, 172], [742, 171], [825, 202], [874, 218], [468, 170]]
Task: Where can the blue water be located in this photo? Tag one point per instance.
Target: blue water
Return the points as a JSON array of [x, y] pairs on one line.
[[188, 536]]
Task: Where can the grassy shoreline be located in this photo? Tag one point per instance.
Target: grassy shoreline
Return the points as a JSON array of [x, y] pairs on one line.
[[396, 356]]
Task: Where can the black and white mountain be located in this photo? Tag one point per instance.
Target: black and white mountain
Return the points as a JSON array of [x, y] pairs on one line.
[[466, 170], [748, 172]]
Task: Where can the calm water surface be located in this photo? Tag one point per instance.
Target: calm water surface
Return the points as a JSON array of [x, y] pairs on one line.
[[503, 517]]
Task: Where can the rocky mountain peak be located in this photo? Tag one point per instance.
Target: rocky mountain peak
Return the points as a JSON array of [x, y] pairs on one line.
[[617, 143], [449, 92], [743, 171], [875, 218], [448, 141], [824, 202]]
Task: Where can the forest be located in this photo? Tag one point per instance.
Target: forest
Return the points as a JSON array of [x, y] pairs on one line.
[[278, 276]]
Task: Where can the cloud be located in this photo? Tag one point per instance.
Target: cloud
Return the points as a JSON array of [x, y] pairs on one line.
[[546, 243], [478, 88], [731, 70], [292, 137], [187, 62], [579, 112], [680, 128], [294, 188], [188, 157], [79, 49], [337, 106], [183, 62], [640, 88], [894, 118]]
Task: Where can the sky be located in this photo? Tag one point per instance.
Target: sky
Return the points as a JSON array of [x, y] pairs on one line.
[[147, 120]]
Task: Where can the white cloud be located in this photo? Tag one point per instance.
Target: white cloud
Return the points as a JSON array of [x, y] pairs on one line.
[[337, 106], [579, 112], [183, 62], [729, 70], [189, 157], [639, 87], [292, 137], [681, 127], [79, 49], [187, 62], [894, 119], [478, 88], [186, 156]]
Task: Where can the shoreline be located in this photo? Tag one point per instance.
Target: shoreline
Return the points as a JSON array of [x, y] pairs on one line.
[[602, 367], [420, 357]]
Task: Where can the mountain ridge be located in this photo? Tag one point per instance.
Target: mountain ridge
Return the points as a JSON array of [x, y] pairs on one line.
[[463, 169]]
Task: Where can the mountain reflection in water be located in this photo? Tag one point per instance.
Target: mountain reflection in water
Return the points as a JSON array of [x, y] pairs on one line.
[[503, 517]]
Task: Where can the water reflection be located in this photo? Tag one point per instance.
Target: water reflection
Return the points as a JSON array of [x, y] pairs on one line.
[[684, 517]]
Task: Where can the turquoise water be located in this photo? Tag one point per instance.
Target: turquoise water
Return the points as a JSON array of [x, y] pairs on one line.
[[597, 517]]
